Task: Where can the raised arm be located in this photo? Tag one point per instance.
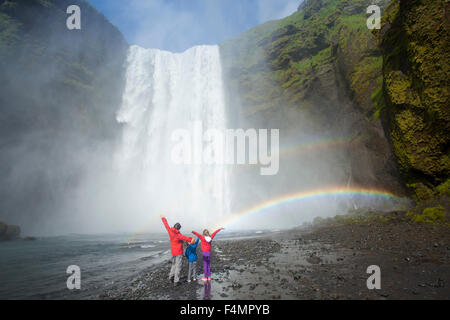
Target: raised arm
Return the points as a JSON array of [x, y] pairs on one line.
[[196, 242], [202, 238], [165, 223], [184, 238], [215, 232]]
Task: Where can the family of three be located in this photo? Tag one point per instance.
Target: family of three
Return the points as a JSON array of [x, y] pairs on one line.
[[176, 246]]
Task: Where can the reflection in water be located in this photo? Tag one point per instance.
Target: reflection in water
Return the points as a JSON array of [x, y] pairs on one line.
[[207, 290]]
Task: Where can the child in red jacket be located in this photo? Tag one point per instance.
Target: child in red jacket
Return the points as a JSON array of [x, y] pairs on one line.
[[206, 239]]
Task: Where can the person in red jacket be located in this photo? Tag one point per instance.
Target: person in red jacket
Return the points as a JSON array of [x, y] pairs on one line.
[[176, 246], [206, 239]]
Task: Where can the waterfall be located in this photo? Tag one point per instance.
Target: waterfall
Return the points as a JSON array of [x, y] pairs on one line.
[[166, 91]]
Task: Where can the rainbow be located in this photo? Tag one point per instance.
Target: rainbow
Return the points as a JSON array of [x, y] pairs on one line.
[[318, 145], [308, 194], [315, 146]]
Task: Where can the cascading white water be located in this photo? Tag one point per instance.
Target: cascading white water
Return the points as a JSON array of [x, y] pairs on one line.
[[166, 91]]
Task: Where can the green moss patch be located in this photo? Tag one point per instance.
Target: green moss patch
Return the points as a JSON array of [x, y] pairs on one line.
[[429, 215]]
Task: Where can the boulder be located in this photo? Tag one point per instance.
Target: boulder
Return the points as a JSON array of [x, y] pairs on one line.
[[3, 227], [9, 232]]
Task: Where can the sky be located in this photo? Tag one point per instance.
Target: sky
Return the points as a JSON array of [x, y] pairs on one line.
[[176, 25]]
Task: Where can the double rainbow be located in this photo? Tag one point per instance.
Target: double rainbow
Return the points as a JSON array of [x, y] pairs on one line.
[[294, 197], [294, 149]]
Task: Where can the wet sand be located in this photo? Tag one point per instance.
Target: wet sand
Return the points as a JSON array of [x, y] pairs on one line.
[[327, 262]]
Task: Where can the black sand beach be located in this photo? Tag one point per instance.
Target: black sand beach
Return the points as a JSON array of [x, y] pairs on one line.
[[327, 262]]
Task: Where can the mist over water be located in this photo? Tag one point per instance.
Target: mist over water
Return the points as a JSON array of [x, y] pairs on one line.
[[126, 189], [125, 186]]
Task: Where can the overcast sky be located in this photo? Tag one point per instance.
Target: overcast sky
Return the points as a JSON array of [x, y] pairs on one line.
[[177, 25]]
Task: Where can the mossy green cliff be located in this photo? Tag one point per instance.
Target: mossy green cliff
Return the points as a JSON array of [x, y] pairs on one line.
[[324, 63], [416, 61], [388, 88]]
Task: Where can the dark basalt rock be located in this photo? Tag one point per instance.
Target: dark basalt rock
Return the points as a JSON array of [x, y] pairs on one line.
[[9, 232]]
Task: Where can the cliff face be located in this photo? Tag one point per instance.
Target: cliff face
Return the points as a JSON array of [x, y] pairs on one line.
[[52, 74], [416, 61], [322, 63], [59, 90]]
